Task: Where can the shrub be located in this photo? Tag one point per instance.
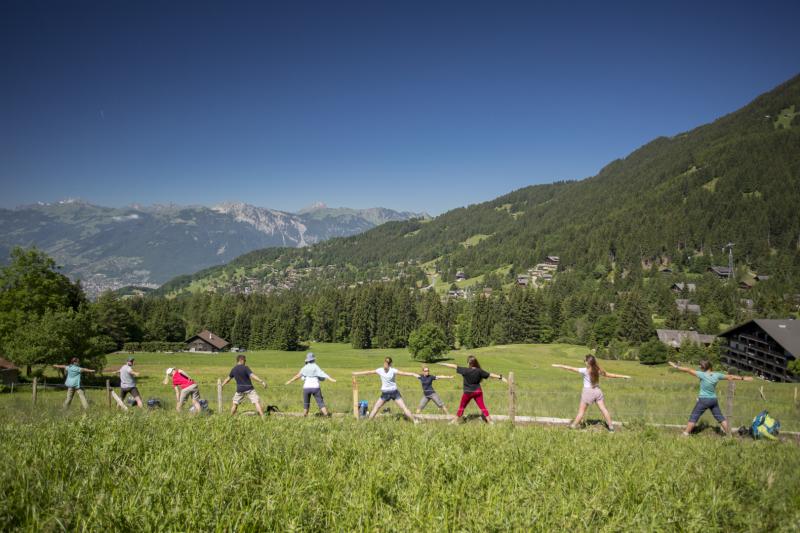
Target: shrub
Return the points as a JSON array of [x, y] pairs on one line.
[[427, 343], [653, 352]]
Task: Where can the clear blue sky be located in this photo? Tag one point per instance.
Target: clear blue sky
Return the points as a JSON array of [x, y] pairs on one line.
[[409, 105]]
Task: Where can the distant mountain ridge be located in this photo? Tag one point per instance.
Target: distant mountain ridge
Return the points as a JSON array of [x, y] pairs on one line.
[[109, 247]]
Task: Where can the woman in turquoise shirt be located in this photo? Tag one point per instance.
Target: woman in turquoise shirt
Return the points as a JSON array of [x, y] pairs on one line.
[[73, 382], [707, 398]]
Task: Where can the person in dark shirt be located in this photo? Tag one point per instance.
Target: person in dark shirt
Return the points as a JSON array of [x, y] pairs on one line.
[[428, 394], [473, 374], [244, 385]]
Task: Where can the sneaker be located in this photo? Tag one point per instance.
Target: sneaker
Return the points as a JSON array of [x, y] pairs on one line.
[[684, 434]]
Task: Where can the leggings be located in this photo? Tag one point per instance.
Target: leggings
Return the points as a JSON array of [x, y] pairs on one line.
[[478, 397]]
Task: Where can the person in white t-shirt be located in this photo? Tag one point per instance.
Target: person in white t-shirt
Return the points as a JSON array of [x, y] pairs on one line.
[[591, 389], [389, 392]]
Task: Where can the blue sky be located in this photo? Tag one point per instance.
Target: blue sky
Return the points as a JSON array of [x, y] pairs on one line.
[[421, 106]]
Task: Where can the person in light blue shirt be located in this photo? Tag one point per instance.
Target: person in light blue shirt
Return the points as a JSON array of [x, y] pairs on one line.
[[312, 374], [73, 382], [707, 397]]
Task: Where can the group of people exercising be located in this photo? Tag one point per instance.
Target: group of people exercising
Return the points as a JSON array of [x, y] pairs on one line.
[[472, 374]]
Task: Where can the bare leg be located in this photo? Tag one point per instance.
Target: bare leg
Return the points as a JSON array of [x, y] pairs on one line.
[[726, 426], [305, 412], [689, 428], [579, 417], [259, 409], [408, 414], [324, 411], [375, 408], [234, 407], [197, 407], [445, 410], [602, 406], [139, 401]]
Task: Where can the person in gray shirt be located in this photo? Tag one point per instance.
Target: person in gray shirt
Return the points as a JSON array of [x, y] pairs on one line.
[[127, 382]]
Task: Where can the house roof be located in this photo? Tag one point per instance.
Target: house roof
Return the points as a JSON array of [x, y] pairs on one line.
[[214, 340], [786, 332], [691, 287], [676, 337], [5, 364], [720, 270]]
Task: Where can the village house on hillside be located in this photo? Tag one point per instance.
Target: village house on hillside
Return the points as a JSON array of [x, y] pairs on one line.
[[763, 346], [460, 276], [720, 271], [678, 287], [674, 338], [205, 341], [552, 260], [9, 372]]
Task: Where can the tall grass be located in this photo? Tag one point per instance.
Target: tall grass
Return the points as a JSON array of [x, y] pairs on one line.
[[162, 471]]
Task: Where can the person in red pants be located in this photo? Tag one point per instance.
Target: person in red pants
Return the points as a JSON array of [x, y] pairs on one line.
[[473, 374]]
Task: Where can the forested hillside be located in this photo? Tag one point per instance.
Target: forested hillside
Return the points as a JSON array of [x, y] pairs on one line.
[[672, 201]]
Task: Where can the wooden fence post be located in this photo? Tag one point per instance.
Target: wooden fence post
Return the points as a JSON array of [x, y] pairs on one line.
[[119, 401], [355, 398], [731, 392], [795, 396], [219, 396], [108, 391], [35, 383], [512, 399]]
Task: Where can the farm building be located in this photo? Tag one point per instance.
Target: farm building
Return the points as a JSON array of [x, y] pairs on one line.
[[679, 287], [674, 338], [9, 373], [763, 346], [205, 341], [523, 280], [552, 260], [684, 306], [460, 276]]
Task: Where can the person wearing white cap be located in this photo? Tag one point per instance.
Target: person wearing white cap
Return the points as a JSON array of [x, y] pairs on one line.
[[312, 374], [184, 387]]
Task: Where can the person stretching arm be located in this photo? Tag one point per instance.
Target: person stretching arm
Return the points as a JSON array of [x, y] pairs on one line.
[[491, 374]]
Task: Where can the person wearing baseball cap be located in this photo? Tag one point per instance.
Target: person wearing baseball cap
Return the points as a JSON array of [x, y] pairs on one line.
[[184, 387], [127, 382]]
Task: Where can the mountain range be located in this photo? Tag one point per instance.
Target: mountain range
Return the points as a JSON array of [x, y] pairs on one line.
[[675, 201], [108, 248]]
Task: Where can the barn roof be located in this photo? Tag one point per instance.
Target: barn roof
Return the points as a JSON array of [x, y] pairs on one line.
[[5, 364], [214, 340]]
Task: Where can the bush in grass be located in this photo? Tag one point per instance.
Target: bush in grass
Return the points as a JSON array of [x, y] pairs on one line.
[[653, 352], [427, 343]]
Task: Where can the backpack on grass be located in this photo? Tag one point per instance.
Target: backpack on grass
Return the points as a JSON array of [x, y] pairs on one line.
[[764, 426]]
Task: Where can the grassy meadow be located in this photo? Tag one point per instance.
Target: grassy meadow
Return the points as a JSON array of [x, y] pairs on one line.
[[655, 394], [141, 470]]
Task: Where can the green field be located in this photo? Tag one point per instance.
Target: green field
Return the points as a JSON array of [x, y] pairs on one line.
[[655, 394], [140, 470]]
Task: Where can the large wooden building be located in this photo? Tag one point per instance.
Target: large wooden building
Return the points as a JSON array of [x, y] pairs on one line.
[[764, 347], [9, 373], [205, 341]]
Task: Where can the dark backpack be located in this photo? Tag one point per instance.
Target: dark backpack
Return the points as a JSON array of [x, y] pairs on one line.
[[154, 403]]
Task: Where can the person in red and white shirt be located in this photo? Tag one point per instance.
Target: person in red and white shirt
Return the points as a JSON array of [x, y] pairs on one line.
[[184, 387]]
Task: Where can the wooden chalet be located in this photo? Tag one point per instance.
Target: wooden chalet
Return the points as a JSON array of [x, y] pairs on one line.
[[460, 276], [763, 346], [674, 338], [9, 372], [523, 280], [552, 260], [679, 287], [721, 271], [205, 341]]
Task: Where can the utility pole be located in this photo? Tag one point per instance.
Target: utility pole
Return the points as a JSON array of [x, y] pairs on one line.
[[729, 246]]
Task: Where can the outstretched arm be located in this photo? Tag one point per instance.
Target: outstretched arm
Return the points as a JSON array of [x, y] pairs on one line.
[[88, 370], [498, 376], [451, 365], [445, 377], [683, 369], [364, 373], [621, 376], [61, 367], [226, 381], [264, 383], [294, 378], [409, 374], [732, 377], [565, 367]]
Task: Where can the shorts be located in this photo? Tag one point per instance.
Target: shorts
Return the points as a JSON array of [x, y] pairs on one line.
[[133, 391], [391, 395], [592, 395], [251, 394], [431, 397], [192, 390], [702, 405], [317, 394]]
